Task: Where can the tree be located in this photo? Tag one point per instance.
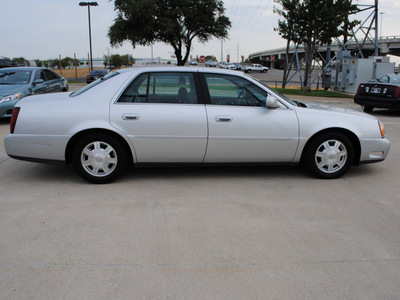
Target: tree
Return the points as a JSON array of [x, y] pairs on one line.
[[38, 63], [314, 22], [174, 22], [21, 61]]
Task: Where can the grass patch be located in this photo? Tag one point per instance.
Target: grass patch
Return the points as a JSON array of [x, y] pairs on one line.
[[320, 93]]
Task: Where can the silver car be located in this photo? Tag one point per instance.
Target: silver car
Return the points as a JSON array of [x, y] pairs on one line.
[[188, 115]]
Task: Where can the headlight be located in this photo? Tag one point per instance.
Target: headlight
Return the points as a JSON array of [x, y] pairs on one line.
[[382, 129], [10, 98]]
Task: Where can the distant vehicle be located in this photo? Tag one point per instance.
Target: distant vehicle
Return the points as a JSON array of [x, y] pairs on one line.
[[211, 63], [239, 67], [193, 63], [189, 115], [96, 74], [255, 68], [6, 63], [19, 82], [229, 66], [381, 92]]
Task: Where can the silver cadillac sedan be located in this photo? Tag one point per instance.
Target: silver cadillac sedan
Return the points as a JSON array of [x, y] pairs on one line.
[[191, 115]]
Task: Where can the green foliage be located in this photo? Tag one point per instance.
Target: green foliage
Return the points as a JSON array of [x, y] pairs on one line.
[[211, 57], [38, 63], [21, 61], [174, 22]]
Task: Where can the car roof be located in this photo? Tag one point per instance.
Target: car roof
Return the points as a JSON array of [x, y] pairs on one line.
[[21, 69], [178, 69]]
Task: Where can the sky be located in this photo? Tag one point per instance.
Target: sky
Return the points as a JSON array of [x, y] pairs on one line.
[[45, 29]]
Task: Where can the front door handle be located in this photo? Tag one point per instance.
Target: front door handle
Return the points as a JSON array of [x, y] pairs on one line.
[[130, 117], [223, 119]]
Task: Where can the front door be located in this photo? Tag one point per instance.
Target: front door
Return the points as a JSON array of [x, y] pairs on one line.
[[242, 129]]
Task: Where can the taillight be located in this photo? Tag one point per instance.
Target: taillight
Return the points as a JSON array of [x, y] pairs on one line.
[[14, 117], [359, 89], [397, 92]]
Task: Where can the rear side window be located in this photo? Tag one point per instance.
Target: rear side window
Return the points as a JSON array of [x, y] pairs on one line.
[[51, 75], [161, 88]]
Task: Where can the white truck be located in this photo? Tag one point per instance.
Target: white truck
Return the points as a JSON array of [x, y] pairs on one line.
[[255, 68]]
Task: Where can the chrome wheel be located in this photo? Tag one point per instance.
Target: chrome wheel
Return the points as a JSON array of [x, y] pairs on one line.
[[331, 156], [99, 159]]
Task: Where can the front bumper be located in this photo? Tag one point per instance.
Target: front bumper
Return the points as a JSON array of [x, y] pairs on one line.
[[374, 150]]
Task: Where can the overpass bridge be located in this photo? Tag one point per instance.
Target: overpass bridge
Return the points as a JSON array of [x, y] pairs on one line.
[[276, 58]]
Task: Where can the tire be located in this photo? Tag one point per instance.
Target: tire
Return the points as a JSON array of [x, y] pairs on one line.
[[367, 109], [264, 71], [329, 155], [99, 158], [248, 71]]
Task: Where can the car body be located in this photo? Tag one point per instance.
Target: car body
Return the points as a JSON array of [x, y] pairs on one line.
[[6, 63], [19, 82], [239, 67], [211, 63], [193, 63], [381, 92], [96, 74], [188, 115], [255, 68]]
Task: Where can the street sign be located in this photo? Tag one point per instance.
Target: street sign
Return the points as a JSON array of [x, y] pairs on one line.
[[202, 58]]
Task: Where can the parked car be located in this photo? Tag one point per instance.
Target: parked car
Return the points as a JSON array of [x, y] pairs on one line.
[[255, 68], [239, 67], [19, 82], [211, 63], [96, 74], [190, 115], [381, 92], [193, 63], [226, 65], [6, 63]]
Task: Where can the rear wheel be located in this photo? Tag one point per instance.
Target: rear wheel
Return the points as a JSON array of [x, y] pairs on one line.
[[329, 155], [99, 158]]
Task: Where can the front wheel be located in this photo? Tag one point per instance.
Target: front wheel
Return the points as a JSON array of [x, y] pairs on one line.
[[329, 155], [99, 158]]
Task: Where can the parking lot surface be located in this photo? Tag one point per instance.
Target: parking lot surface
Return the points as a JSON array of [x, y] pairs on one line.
[[202, 233]]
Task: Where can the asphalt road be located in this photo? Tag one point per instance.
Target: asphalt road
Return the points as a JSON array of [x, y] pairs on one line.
[[194, 233]]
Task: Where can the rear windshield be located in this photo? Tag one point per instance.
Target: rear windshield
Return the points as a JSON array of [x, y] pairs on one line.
[[94, 83]]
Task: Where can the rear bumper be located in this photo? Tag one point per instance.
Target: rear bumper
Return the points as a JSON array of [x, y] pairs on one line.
[[379, 102]]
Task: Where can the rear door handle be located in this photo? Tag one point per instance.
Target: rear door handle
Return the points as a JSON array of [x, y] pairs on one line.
[[130, 117], [223, 119]]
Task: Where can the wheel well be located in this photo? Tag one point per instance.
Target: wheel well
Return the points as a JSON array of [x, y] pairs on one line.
[[353, 138], [72, 142]]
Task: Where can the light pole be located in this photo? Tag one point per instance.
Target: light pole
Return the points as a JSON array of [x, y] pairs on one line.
[[89, 4]]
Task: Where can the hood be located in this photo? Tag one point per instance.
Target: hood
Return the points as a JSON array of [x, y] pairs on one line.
[[326, 107], [10, 89]]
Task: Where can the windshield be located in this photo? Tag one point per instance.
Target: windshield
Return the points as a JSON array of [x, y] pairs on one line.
[[94, 83], [15, 77]]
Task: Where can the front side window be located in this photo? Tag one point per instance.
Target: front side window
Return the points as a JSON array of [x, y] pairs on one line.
[[232, 90], [161, 88]]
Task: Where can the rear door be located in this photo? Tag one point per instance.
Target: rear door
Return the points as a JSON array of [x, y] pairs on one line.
[[242, 129], [163, 115]]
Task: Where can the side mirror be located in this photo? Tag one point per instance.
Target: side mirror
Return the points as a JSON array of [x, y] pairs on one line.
[[271, 102], [38, 81]]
